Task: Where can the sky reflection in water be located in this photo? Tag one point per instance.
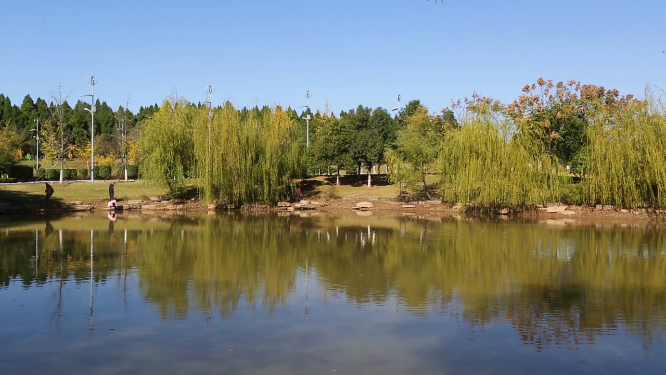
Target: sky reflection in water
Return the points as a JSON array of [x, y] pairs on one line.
[[301, 295]]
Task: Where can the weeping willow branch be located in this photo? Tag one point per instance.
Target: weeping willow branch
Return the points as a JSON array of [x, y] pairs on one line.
[[236, 160]]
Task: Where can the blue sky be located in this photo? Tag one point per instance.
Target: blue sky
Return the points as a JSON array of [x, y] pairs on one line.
[[345, 52]]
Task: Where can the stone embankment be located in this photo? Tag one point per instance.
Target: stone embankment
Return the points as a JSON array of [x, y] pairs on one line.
[[363, 205]]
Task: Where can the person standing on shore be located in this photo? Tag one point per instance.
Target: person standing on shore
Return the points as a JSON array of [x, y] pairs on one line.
[[49, 191], [111, 191]]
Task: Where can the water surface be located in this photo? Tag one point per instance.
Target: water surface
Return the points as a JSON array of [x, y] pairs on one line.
[[267, 294]]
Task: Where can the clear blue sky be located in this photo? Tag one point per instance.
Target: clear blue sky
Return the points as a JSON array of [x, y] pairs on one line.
[[347, 52]]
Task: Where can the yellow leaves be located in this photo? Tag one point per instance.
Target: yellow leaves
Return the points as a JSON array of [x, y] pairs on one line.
[[9, 138], [107, 159], [79, 151], [49, 145], [132, 150], [18, 154]]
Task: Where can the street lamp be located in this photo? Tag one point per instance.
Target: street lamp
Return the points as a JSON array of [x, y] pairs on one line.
[[93, 81], [307, 120], [398, 107], [37, 137]]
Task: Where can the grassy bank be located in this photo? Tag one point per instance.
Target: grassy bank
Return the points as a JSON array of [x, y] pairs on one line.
[[78, 191]]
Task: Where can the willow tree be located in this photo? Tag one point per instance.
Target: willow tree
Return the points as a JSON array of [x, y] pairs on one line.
[[249, 158], [166, 145], [625, 157], [487, 161]]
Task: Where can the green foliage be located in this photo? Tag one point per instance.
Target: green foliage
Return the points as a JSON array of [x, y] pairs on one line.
[[572, 193], [83, 173], [167, 145], [625, 161], [40, 173], [21, 172], [487, 163], [70, 174], [333, 142], [8, 180], [249, 158], [102, 172], [417, 147], [133, 171], [9, 143], [52, 174]]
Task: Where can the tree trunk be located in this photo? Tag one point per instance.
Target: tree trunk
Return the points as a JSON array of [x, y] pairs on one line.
[[62, 171], [425, 187], [337, 178], [369, 179]]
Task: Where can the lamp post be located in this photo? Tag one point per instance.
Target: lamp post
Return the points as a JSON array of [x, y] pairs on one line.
[[37, 137], [93, 82], [307, 120], [398, 107]]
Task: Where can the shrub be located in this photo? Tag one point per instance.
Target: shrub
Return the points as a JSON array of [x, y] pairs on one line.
[[102, 172], [572, 194], [7, 180], [82, 173], [133, 171], [69, 174], [53, 174], [40, 173], [21, 172]]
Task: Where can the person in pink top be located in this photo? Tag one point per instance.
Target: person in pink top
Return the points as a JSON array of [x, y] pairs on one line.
[[112, 204]]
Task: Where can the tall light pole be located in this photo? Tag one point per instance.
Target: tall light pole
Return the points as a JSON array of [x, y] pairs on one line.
[[37, 137], [307, 119], [93, 82]]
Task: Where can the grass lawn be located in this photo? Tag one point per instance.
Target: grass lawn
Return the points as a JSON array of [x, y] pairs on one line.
[[322, 187], [78, 191], [317, 188], [48, 164]]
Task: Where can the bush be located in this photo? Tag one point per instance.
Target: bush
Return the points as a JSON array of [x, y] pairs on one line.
[[53, 174], [102, 172], [21, 172], [7, 180], [118, 171], [83, 173], [69, 174], [572, 194], [133, 171], [40, 173]]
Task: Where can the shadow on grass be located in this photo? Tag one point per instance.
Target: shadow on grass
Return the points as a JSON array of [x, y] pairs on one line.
[[359, 180], [23, 199]]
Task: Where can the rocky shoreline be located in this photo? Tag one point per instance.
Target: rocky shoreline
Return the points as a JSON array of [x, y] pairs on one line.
[[363, 205]]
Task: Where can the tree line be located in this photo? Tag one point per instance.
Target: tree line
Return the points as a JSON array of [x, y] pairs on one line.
[[556, 142], [64, 130]]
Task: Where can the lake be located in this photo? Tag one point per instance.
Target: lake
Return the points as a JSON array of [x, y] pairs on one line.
[[270, 294]]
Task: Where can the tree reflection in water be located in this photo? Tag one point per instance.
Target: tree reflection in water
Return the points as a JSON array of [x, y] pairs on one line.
[[558, 286]]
